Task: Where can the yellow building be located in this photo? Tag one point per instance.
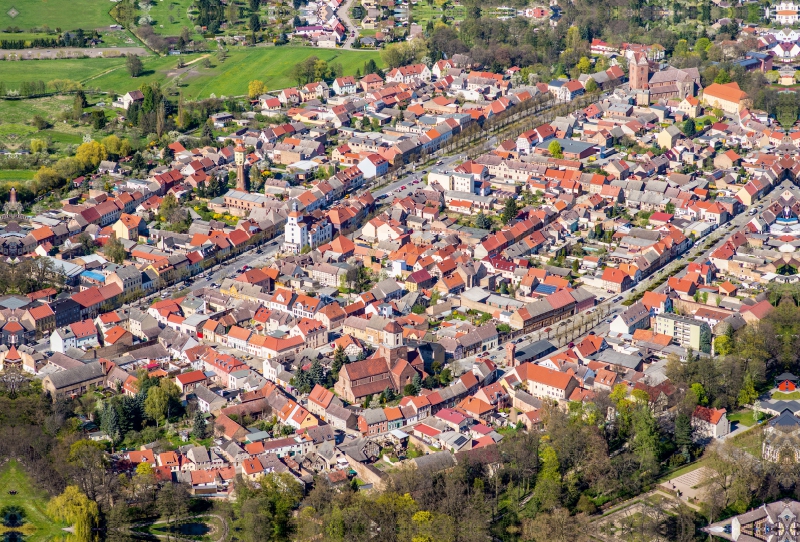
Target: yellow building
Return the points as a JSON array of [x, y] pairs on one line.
[[128, 227], [728, 97]]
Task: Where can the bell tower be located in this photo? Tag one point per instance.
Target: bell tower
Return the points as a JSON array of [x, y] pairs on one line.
[[238, 156], [639, 72]]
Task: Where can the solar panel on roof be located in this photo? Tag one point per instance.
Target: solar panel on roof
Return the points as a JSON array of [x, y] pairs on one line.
[[545, 289]]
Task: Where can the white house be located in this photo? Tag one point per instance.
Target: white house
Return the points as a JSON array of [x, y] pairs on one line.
[[786, 51], [129, 98], [635, 317], [302, 231], [710, 422], [407, 74], [62, 339], [345, 85], [373, 166]]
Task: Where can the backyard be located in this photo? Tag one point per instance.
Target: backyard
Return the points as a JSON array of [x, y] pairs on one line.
[[745, 417]]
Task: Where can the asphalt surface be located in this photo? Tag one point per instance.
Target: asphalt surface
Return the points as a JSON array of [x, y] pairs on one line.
[[350, 27], [233, 267], [396, 187]]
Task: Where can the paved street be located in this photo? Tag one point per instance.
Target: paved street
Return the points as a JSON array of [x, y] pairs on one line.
[[350, 27], [408, 180]]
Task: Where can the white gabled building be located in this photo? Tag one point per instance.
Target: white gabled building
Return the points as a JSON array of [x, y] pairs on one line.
[[302, 231]]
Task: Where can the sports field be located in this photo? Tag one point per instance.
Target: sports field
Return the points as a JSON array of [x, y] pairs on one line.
[[63, 14], [272, 65]]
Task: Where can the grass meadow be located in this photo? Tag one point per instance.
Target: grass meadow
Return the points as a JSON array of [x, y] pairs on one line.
[[63, 14], [272, 65]]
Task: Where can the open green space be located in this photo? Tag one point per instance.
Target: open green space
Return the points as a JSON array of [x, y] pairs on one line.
[[170, 16], [745, 417], [48, 70], [32, 501], [64, 14], [421, 13], [783, 396], [16, 174], [272, 65], [751, 440], [16, 116], [21, 111]]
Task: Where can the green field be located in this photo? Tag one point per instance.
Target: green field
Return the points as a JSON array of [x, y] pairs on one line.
[[16, 114], [47, 70], [111, 38], [33, 502], [16, 175], [21, 111], [162, 10], [64, 14], [422, 13], [270, 64]]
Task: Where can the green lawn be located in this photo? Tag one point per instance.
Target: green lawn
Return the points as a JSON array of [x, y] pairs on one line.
[[783, 396], [745, 417], [48, 70], [750, 441], [15, 116], [34, 502], [22, 111], [60, 137], [230, 78], [162, 10], [16, 174], [421, 13], [64, 14]]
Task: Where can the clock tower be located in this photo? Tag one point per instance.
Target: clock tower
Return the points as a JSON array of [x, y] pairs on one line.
[[238, 156]]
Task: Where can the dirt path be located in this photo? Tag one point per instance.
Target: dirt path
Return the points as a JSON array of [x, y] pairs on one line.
[[201, 57]]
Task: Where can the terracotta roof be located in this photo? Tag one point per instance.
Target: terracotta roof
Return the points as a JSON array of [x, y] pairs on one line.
[[543, 375], [728, 92], [192, 377], [114, 334], [710, 415], [321, 396]]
